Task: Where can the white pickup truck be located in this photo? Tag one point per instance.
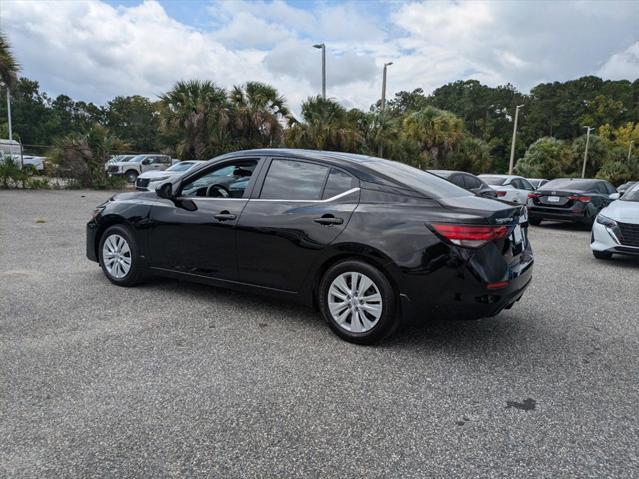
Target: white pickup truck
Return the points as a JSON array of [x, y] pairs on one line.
[[137, 165]]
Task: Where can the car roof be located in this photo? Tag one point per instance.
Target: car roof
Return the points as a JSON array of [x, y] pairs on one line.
[[501, 176]]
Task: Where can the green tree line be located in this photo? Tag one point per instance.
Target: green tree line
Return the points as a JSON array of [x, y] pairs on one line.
[[462, 125]]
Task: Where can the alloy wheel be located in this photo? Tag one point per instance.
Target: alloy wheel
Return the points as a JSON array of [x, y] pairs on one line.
[[355, 302], [116, 255]]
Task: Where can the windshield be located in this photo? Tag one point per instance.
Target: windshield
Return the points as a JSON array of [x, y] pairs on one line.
[[632, 194], [494, 180], [182, 166], [568, 184], [419, 180]]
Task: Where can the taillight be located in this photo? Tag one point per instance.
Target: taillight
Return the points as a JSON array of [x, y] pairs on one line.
[[500, 194], [583, 199], [534, 195], [470, 236]]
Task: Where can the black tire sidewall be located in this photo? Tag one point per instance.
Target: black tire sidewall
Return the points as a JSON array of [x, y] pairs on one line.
[[133, 174], [388, 321], [135, 273]]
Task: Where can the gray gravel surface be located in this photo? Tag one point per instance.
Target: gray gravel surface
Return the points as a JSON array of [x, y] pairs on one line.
[[177, 379]]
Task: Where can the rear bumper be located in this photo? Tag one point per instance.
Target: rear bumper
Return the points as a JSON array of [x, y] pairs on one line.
[[461, 292], [580, 213]]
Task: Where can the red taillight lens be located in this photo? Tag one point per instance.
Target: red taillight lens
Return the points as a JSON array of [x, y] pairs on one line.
[[534, 195], [500, 194], [583, 199], [497, 285], [470, 236]]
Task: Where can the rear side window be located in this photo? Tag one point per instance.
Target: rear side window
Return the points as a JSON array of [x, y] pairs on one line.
[[294, 180], [338, 182], [457, 180], [471, 182]]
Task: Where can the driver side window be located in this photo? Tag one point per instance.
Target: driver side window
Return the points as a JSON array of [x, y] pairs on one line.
[[228, 180]]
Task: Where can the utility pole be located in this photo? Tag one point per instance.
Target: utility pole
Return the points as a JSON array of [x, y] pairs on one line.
[[386, 65], [322, 47], [630, 148], [583, 170], [9, 112], [511, 165]]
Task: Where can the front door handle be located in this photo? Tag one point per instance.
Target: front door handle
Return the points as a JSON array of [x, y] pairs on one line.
[[224, 216], [328, 220]]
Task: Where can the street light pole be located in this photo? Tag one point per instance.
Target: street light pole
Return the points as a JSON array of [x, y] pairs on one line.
[[583, 170], [511, 165], [322, 47], [9, 113], [386, 65], [630, 148]]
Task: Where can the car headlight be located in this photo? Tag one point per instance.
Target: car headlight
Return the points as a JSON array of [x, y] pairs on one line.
[[604, 220]]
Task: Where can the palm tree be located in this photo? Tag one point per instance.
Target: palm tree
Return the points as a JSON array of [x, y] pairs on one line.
[[197, 113], [258, 111], [437, 132], [325, 126], [8, 65]]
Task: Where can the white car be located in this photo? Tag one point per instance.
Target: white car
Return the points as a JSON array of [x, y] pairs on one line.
[[509, 187], [149, 180], [616, 228], [137, 165]]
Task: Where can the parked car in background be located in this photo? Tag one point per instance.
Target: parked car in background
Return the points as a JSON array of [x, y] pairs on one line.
[[537, 182], [117, 159], [305, 225], [468, 181], [137, 165], [621, 189], [38, 163], [570, 199], [148, 180], [509, 187], [616, 228]]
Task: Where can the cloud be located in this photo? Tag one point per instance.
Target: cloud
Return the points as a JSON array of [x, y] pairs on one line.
[[623, 65], [94, 51]]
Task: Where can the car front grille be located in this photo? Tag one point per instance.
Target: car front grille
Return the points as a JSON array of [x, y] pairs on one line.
[[629, 234], [113, 169], [142, 182]]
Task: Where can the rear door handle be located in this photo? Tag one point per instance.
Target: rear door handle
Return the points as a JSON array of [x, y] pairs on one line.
[[328, 220], [224, 216]]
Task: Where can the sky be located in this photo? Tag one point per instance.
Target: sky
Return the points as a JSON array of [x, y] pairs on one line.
[[95, 50]]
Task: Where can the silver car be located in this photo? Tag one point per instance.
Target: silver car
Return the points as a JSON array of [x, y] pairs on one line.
[[149, 180]]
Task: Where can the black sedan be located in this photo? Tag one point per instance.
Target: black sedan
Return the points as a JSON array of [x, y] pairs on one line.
[[570, 199], [468, 181], [368, 241]]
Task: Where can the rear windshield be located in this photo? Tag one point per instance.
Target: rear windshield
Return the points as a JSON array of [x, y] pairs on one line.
[[421, 181], [568, 184], [494, 180]]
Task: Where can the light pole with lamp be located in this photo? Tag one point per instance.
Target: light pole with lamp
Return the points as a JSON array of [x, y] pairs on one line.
[[511, 165], [322, 47]]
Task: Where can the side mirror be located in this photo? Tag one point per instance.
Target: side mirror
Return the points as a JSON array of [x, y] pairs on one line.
[[614, 196], [146, 161], [165, 190]]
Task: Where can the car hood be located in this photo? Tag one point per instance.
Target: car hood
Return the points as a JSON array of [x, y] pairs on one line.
[[120, 163], [157, 174], [624, 211]]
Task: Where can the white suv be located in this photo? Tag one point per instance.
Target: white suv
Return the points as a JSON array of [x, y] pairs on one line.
[[139, 164]]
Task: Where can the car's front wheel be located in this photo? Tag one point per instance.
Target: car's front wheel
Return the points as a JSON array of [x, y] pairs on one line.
[[358, 302], [131, 176], [119, 256]]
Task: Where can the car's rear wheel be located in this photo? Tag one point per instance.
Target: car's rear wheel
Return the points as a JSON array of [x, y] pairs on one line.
[[358, 302], [534, 221], [119, 256], [602, 254], [131, 176]]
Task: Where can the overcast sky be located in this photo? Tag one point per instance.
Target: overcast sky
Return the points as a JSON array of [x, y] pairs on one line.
[[95, 50]]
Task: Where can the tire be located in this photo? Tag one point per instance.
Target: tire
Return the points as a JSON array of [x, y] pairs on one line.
[[112, 239], [534, 221], [131, 176], [379, 313], [602, 254]]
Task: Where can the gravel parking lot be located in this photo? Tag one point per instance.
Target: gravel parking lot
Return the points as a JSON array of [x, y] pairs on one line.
[[172, 378]]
